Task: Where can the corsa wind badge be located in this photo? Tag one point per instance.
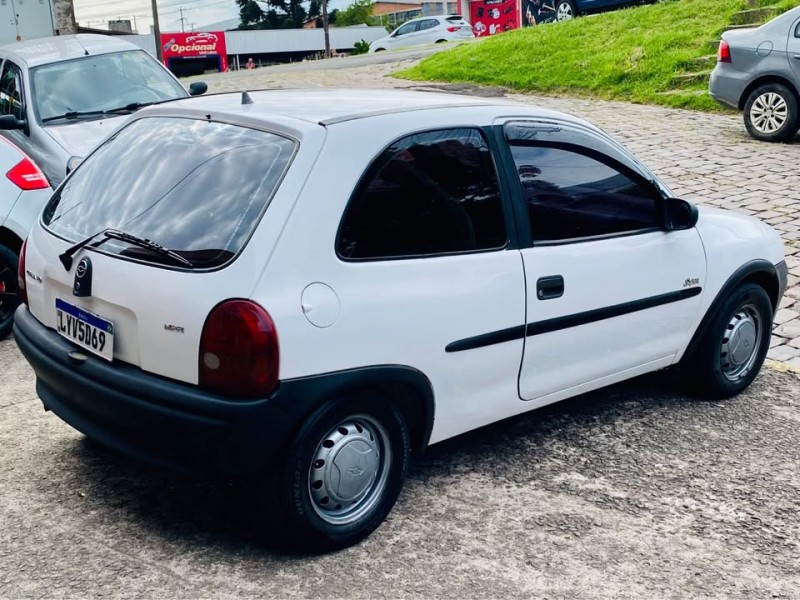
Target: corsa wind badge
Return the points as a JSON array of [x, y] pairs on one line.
[[82, 288]]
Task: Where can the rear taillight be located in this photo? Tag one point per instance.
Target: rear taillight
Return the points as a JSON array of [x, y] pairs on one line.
[[23, 290], [452, 29], [239, 350], [724, 52], [27, 176]]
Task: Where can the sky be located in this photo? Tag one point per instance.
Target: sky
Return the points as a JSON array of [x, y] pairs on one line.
[[196, 13]]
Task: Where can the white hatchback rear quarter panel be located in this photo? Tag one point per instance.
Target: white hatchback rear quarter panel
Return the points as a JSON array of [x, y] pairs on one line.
[[396, 312], [143, 300]]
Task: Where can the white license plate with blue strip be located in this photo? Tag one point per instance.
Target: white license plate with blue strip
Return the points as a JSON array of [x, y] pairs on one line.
[[85, 329]]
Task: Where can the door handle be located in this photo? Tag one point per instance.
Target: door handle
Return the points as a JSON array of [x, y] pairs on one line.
[[549, 287], [797, 56]]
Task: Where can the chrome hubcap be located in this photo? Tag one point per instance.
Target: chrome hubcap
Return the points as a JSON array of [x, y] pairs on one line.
[[349, 470], [563, 12], [740, 343], [769, 112]]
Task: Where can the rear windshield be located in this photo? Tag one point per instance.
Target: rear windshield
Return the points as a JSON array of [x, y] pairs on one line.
[[195, 187]]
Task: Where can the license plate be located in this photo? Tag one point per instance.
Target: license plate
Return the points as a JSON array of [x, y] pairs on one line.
[[85, 329]]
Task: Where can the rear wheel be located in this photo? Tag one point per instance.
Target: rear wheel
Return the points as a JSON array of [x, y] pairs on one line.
[[771, 113], [733, 348], [565, 10], [344, 472], [9, 289]]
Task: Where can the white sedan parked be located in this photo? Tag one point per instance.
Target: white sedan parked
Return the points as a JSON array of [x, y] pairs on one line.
[[310, 285], [425, 30]]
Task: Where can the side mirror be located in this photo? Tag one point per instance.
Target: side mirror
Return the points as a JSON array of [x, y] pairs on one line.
[[197, 88], [679, 214], [10, 122]]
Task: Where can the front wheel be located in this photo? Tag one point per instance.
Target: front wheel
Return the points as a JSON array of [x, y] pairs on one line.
[[734, 346], [9, 290], [771, 113], [344, 472], [565, 10]]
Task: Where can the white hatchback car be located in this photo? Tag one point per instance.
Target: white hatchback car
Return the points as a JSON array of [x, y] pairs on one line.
[[310, 285], [23, 193], [425, 30]]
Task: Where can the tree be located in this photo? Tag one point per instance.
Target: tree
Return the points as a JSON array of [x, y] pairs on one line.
[[359, 12], [282, 14]]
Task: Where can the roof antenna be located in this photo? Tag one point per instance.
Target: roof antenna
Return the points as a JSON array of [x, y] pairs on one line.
[[246, 99], [85, 51]]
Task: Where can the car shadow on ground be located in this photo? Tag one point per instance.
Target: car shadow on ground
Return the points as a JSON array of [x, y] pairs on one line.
[[120, 492]]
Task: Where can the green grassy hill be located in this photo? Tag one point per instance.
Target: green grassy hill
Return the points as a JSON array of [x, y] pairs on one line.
[[659, 53]]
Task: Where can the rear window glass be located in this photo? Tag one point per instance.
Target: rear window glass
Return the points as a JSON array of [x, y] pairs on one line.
[[195, 187]]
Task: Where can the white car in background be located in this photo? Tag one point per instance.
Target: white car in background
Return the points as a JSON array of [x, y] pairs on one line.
[[304, 287], [425, 30], [23, 192]]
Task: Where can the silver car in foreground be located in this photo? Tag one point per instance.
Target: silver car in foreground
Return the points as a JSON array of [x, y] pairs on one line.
[[758, 72], [60, 96]]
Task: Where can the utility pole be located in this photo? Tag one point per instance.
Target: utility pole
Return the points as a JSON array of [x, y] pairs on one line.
[[324, 28], [64, 17], [157, 32], [183, 20]]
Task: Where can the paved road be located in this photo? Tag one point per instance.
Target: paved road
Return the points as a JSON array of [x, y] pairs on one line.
[[632, 492]]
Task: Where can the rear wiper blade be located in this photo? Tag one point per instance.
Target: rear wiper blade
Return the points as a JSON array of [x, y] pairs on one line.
[[115, 234]]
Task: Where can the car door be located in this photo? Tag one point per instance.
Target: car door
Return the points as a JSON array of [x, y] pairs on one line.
[[610, 294], [793, 49], [404, 36], [427, 33]]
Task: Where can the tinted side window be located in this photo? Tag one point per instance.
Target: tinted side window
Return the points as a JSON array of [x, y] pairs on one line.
[[571, 195], [430, 193], [428, 24], [408, 28], [11, 91]]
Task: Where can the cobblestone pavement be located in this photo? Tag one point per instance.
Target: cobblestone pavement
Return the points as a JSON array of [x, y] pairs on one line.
[[707, 158]]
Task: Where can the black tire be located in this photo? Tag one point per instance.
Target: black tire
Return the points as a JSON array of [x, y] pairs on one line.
[[380, 49], [720, 366], [771, 113], [565, 8], [440, 41], [9, 291], [303, 522]]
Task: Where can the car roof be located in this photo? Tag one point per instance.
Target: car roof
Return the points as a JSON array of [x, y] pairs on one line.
[[47, 50], [331, 106]]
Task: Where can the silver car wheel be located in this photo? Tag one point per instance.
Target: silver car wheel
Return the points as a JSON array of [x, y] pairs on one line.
[[564, 12], [769, 112], [741, 342], [349, 470]]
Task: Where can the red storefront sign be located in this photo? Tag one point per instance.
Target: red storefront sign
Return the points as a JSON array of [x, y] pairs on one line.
[[489, 17], [195, 43]]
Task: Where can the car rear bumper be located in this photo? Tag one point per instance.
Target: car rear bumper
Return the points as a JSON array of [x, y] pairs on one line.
[[726, 85], [163, 422]]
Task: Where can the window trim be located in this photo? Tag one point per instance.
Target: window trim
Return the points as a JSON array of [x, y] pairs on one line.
[[506, 204], [522, 213]]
